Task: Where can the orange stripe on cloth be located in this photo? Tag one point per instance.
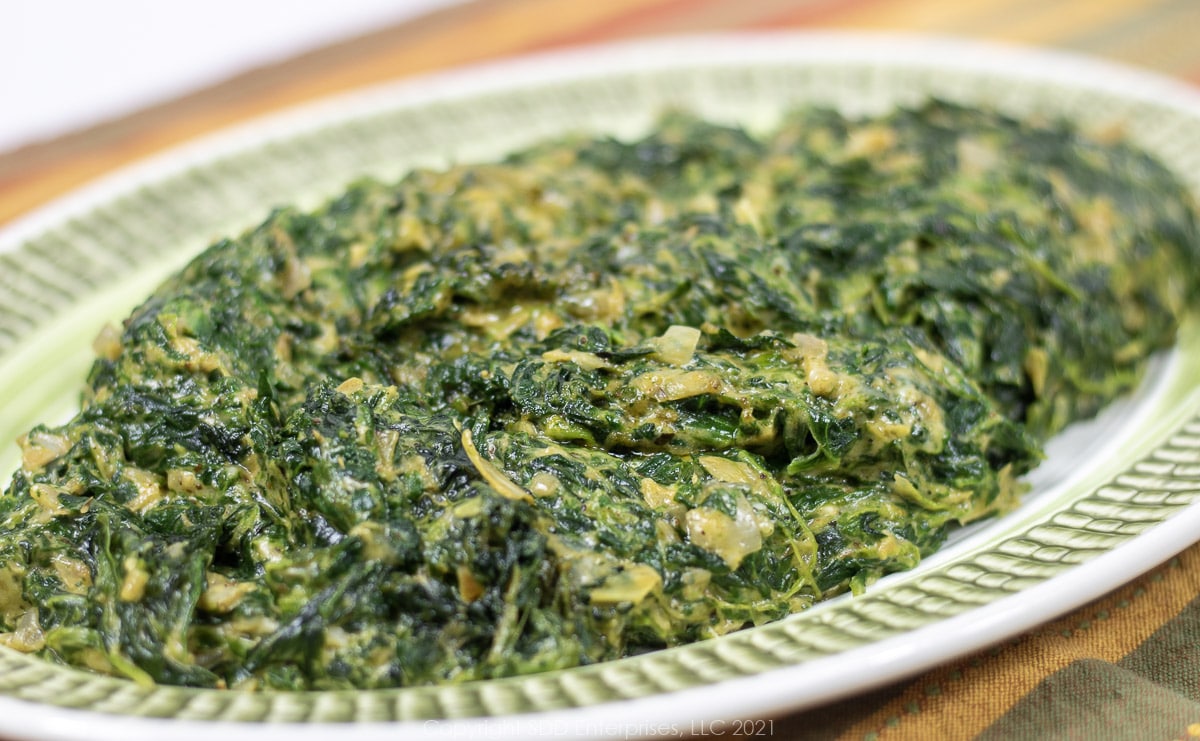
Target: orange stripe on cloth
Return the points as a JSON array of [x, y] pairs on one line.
[[1165, 38], [1028, 20], [663, 16], [703, 15], [817, 13], [1047, 23], [502, 28], [960, 700], [925, 16]]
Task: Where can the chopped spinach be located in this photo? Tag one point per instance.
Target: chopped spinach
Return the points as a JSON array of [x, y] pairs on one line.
[[598, 398]]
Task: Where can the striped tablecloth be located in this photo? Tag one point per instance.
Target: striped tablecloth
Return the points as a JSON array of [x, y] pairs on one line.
[[1125, 666]]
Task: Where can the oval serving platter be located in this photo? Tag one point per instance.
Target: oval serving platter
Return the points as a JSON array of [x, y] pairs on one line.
[[1116, 496]]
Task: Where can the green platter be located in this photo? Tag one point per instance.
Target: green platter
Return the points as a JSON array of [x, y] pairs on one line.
[[1114, 499]]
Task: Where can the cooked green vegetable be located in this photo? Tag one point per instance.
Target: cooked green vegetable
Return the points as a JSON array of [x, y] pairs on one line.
[[596, 399]]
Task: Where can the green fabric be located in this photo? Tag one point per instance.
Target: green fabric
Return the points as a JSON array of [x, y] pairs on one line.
[[1169, 657], [1152, 693], [1093, 699]]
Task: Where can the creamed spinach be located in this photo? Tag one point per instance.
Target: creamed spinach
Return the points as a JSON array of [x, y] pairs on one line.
[[598, 398]]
